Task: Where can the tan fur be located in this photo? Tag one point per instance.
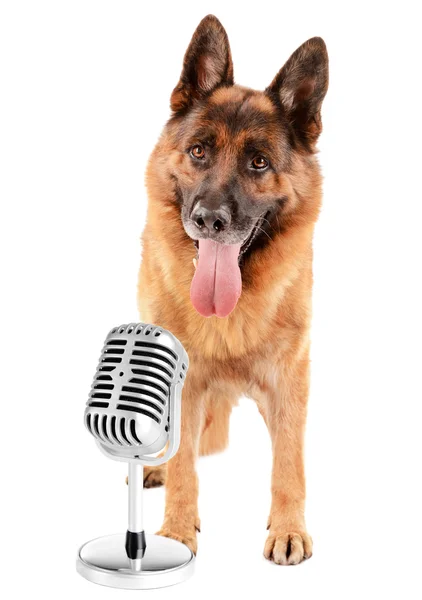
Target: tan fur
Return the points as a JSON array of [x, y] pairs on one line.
[[214, 437], [215, 434]]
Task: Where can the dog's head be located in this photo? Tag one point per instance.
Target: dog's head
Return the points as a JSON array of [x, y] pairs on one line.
[[235, 158]]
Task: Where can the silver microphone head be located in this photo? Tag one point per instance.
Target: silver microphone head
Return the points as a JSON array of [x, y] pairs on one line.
[[134, 405]]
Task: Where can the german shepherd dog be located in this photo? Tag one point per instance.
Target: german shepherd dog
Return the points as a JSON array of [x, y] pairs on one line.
[[234, 192]]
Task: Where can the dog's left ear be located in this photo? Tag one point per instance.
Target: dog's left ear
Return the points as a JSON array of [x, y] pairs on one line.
[[207, 64], [301, 85]]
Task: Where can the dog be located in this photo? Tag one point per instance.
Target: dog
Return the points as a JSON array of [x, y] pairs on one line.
[[234, 192]]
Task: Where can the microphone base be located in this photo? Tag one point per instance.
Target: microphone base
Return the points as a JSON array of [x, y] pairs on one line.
[[165, 562]]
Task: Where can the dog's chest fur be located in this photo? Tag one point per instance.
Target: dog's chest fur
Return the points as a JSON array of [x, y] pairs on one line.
[[272, 316]]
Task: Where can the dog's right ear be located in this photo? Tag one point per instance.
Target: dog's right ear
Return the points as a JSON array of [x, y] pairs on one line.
[[207, 64]]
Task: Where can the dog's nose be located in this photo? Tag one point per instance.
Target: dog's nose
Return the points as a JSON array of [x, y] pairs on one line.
[[215, 219]]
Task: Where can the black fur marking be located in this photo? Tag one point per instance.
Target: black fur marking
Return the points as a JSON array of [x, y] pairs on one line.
[[177, 191]]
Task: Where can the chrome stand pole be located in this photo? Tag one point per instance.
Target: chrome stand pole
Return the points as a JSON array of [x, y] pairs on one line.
[[135, 535]]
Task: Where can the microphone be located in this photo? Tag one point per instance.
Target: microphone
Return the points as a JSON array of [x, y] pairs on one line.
[[134, 412], [135, 402]]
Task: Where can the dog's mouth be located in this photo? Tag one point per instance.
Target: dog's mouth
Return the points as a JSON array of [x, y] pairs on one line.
[[256, 230], [246, 245], [217, 282]]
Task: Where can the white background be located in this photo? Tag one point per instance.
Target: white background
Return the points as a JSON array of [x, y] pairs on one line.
[[84, 93]]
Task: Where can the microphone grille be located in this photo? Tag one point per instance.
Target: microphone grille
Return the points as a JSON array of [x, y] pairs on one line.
[[129, 399]]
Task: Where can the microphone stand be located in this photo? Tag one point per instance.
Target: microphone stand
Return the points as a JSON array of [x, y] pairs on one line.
[[135, 560]]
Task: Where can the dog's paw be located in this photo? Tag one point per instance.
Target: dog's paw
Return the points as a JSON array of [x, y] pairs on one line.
[[288, 548], [154, 476], [186, 535]]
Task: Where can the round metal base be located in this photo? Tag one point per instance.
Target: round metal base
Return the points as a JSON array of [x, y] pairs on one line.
[[165, 562]]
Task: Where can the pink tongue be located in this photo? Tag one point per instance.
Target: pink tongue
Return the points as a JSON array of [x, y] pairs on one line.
[[217, 283]]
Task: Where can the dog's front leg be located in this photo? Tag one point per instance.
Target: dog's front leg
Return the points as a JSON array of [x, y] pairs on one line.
[[181, 521], [288, 543]]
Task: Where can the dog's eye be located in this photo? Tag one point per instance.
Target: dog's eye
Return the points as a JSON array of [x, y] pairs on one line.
[[197, 151], [259, 162]]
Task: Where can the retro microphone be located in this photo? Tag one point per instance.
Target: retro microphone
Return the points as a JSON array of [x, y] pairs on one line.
[[133, 412]]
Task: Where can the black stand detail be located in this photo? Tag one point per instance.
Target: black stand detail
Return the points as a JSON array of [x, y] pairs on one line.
[[135, 544]]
